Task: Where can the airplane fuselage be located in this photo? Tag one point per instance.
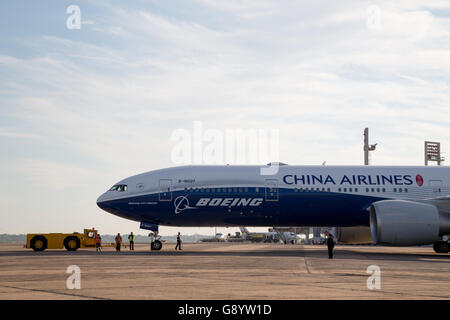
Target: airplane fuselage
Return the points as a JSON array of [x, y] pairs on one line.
[[292, 196]]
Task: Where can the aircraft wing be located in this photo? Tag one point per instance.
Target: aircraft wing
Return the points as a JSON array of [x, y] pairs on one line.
[[442, 198], [443, 203]]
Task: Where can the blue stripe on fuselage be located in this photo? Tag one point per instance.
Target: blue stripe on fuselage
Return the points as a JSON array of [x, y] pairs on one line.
[[293, 208]]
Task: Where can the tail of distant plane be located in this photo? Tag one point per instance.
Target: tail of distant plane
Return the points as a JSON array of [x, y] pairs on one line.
[[244, 230]]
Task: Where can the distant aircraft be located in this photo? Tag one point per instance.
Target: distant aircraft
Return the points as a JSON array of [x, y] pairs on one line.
[[391, 205], [220, 237]]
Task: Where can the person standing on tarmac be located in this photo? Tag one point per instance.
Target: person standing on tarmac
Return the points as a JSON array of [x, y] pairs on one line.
[[178, 242], [98, 243], [152, 239], [118, 242], [330, 245], [131, 239]]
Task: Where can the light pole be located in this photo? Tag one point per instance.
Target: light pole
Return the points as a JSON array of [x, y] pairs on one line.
[[367, 147]]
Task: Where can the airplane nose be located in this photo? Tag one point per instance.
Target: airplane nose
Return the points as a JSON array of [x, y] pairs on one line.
[[105, 204], [101, 201]]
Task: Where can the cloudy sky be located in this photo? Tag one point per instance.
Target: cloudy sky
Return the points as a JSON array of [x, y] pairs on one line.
[[83, 108]]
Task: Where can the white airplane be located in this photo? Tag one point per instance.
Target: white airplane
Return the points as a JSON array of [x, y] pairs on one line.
[[220, 237], [391, 205]]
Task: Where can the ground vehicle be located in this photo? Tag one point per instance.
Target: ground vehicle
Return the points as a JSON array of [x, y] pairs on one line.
[[275, 238], [70, 241]]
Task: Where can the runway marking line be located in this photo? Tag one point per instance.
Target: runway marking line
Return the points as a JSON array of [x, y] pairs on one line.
[[56, 292]]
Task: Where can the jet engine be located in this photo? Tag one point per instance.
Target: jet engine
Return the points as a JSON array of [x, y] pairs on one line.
[[403, 223]]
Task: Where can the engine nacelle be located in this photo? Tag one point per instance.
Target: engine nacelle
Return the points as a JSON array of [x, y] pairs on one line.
[[402, 222], [354, 235]]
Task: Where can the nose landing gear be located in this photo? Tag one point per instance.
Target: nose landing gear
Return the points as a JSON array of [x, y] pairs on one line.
[[156, 245], [155, 240]]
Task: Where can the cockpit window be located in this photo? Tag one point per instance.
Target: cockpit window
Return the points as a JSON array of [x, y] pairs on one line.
[[119, 187]]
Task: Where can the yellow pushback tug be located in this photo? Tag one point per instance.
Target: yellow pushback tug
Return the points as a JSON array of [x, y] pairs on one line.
[[70, 241]]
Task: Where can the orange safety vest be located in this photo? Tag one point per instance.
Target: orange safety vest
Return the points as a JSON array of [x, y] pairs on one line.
[[118, 239], [98, 239]]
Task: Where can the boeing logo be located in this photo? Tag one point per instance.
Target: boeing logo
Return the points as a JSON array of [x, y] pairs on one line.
[[349, 179], [181, 203], [229, 202]]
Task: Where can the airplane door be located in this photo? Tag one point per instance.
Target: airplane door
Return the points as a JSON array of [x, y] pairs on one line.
[[165, 190], [436, 186], [271, 190]]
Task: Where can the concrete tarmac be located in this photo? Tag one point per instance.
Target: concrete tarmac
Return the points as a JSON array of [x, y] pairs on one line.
[[225, 271]]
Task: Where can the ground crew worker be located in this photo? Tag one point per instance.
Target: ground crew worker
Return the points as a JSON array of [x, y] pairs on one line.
[[118, 242], [330, 245], [178, 242], [98, 243], [131, 239], [152, 239]]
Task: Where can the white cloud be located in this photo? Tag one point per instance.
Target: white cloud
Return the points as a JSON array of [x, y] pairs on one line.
[[53, 175]]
